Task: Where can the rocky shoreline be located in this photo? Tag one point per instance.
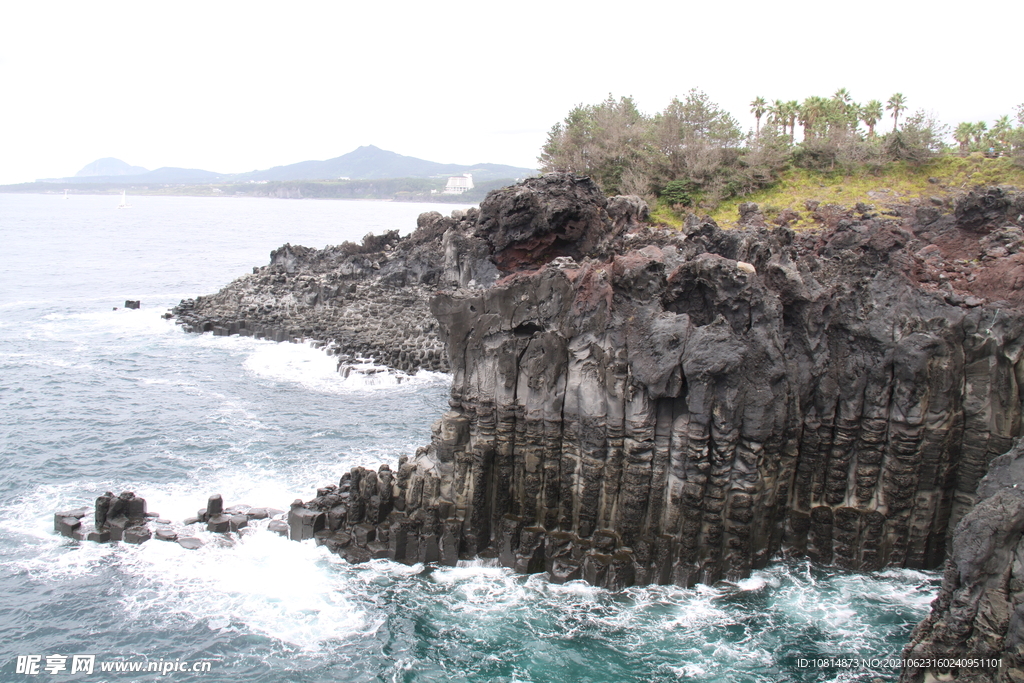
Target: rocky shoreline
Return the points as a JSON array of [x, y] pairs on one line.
[[635, 405]]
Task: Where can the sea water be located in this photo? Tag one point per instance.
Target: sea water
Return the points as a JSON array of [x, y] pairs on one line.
[[94, 399]]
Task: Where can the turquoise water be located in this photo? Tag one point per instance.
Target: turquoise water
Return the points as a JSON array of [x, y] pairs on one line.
[[94, 399]]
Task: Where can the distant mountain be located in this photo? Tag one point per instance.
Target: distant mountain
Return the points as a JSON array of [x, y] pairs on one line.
[[109, 167], [370, 162], [365, 163], [167, 175], [172, 176]]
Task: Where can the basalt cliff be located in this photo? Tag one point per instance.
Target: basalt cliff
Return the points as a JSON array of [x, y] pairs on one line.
[[635, 405]]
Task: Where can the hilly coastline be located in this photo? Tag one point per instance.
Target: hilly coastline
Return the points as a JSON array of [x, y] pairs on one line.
[[364, 163]]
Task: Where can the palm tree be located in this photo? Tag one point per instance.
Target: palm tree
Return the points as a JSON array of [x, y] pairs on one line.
[[978, 130], [758, 108], [870, 114], [897, 104], [811, 111], [777, 115], [962, 135], [843, 109], [1001, 132], [792, 111]]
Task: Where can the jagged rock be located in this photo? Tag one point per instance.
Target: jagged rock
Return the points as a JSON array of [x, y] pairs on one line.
[[638, 405], [135, 305], [528, 224], [67, 522], [678, 408], [65, 525], [979, 612], [981, 209], [115, 518], [627, 212], [751, 216], [338, 296], [304, 523]]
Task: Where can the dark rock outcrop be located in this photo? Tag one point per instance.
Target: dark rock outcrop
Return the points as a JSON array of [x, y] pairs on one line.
[[979, 613], [528, 224], [675, 408], [633, 405], [357, 302], [372, 300], [125, 518], [115, 518]]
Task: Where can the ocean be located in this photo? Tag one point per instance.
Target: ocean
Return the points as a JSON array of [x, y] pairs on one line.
[[94, 398]]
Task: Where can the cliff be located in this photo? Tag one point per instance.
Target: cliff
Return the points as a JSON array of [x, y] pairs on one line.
[[979, 613], [632, 405]]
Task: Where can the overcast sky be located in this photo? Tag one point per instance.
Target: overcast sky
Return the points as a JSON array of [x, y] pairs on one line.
[[238, 86]]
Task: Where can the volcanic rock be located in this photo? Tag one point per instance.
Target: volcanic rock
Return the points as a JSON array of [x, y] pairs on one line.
[[704, 399]]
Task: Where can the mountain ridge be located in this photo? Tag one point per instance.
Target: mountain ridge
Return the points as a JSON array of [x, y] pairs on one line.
[[109, 166], [367, 162]]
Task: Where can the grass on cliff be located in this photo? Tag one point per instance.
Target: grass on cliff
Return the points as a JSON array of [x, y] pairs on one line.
[[897, 182]]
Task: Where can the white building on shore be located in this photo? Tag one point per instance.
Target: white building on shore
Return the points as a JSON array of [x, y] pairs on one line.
[[457, 184]]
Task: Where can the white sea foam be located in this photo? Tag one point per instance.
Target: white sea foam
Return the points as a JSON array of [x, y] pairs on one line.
[[314, 370], [138, 325], [258, 581], [262, 582], [754, 583]]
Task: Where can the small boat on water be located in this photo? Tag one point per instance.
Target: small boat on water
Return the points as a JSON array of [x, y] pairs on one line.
[[124, 202], [66, 195]]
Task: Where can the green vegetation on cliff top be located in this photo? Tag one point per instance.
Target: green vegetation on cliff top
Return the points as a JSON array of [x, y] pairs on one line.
[[897, 182], [692, 157]]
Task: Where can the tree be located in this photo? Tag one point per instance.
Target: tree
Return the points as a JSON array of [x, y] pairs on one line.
[[692, 139], [978, 130], [871, 114], [812, 109], [792, 111], [897, 104], [962, 135], [918, 140], [1001, 130], [843, 95], [758, 107], [603, 141], [843, 110], [779, 115]]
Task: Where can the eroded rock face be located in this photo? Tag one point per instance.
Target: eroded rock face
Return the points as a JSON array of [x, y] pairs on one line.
[[368, 302], [678, 408], [528, 224], [979, 613], [372, 301]]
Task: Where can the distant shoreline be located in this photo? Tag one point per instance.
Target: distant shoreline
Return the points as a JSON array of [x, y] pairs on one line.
[[388, 189]]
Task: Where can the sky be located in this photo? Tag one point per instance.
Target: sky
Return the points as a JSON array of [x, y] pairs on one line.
[[237, 86]]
